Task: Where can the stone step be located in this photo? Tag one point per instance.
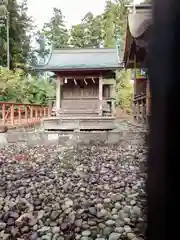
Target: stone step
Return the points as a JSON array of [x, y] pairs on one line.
[[79, 123]]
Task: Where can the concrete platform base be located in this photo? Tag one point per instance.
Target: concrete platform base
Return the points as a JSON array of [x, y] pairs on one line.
[[70, 139], [78, 123]]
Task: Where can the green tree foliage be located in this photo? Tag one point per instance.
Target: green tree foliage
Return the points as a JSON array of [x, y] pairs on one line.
[[39, 90], [16, 87], [41, 50], [93, 31], [102, 30], [88, 33], [114, 22], [124, 90], [77, 38], [55, 30], [19, 27], [109, 24], [114, 28]]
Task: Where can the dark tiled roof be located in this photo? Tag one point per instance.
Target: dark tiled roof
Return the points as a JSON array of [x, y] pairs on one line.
[[139, 21], [138, 24], [72, 59]]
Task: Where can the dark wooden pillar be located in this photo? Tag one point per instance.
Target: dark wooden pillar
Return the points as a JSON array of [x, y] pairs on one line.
[[58, 93], [148, 96], [100, 96], [113, 96]]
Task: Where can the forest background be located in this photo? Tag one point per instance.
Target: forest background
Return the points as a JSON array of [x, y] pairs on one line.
[[29, 46]]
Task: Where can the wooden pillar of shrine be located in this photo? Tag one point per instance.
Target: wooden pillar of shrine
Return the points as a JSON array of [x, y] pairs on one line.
[[134, 91], [58, 94], [100, 96], [113, 94]]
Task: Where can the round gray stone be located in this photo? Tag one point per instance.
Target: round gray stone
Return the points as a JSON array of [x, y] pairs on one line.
[[56, 229], [86, 233], [131, 236], [107, 200], [137, 210], [107, 231], [127, 229], [110, 223], [114, 236], [119, 229], [117, 205], [2, 226]]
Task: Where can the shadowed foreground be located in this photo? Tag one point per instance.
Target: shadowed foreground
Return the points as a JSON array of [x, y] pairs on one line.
[[91, 192]]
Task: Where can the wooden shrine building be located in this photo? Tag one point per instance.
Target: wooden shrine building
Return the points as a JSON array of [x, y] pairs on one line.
[[138, 30], [85, 88]]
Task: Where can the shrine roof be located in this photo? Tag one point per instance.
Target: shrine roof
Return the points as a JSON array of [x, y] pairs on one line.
[[139, 19], [81, 59], [139, 23]]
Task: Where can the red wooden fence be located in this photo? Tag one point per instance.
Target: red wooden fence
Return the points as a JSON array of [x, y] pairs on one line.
[[17, 114]]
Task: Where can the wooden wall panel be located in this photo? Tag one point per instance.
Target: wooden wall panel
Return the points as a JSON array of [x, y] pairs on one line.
[[140, 86], [81, 90]]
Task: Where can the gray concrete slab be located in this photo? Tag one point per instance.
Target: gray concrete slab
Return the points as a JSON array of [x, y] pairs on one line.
[[70, 139], [78, 123]]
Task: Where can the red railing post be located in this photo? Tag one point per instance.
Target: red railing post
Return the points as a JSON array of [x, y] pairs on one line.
[[26, 114], [36, 113], [44, 112], [15, 114], [49, 111], [31, 114], [12, 114], [41, 114], [19, 114], [4, 113]]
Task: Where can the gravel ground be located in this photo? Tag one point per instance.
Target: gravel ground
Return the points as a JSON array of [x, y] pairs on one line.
[[93, 192]]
